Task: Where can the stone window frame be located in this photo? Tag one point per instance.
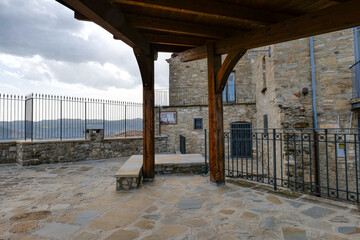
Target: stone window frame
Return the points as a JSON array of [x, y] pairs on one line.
[[197, 127]]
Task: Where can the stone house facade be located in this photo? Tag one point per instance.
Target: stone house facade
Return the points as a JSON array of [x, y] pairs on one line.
[[272, 87], [272, 82]]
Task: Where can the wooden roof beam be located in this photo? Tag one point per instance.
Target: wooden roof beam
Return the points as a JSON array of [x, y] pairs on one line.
[[330, 19], [213, 9], [166, 39], [108, 17], [178, 27]]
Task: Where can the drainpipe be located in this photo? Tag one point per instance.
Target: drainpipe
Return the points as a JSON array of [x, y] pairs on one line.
[[313, 85]]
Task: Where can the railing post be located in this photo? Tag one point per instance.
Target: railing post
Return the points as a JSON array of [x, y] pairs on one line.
[[159, 120], [32, 118], [125, 119], [274, 154], [85, 121], [24, 120], [61, 120], [206, 165], [104, 119]]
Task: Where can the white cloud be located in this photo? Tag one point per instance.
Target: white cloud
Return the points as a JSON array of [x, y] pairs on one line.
[[44, 49]]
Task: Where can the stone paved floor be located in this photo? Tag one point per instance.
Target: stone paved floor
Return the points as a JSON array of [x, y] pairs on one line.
[[78, 201]]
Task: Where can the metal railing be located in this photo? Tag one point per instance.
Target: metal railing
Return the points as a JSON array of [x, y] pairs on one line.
[[43, 117], [323, 162]]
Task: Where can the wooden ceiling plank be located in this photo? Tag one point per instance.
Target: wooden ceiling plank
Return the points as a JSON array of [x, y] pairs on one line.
[[110, 18], [213, 9], [166, 39], [334, 18], [169, 48], [171, 26]]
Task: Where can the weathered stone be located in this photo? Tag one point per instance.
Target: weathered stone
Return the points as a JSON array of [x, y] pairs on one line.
[[114, 219], [250, 216], [349, 230], [189, 204], [57, 230], [123, 235], [273, 199], [145, 224], [31, 216], [317, 212], [291, 233], [227, 211], [198, 222], [23, 227], [85, 217], [86, 236], [295, 204], [154, 238], [339, 219], [172, 230], [153, 217]]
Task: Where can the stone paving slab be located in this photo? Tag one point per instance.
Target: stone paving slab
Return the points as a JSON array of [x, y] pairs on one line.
[[80, 203]]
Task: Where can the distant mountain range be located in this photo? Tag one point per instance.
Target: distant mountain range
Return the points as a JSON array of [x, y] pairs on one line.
[[68, 128]]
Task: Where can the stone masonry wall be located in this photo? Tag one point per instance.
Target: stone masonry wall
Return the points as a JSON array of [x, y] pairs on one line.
[[188, 82], [7, 152], [43, 152], [195, 138]]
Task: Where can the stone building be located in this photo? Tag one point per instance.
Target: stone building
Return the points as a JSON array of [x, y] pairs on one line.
[[272, 88]]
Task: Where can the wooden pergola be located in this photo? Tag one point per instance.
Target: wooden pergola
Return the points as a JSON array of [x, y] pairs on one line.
[[199, 29]]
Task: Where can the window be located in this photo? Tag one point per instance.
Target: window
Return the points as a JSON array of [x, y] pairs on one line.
[[198, 123], [229, 90], [266, 124], [263, 68], [356, 67]]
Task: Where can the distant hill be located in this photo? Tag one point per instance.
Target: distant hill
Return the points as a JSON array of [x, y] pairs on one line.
[[70, 128]]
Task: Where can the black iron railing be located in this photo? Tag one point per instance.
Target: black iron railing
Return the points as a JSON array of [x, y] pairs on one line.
[[42, 117], [323, 162]]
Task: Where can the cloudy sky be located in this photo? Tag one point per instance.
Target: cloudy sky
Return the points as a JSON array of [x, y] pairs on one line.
[[43, 49]]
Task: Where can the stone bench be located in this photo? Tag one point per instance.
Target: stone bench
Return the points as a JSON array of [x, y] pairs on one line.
[[129, 175]]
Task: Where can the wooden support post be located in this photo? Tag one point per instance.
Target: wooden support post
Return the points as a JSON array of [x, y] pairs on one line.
[[146, 65], [217, 77], [216, 128]]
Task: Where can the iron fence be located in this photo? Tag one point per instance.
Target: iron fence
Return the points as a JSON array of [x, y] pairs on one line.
[[41, 117], [323, 162]]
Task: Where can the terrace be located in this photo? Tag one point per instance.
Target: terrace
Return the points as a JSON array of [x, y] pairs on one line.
[[78, 201]]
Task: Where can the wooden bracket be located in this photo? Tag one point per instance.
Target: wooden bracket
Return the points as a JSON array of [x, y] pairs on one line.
[[228, 65]]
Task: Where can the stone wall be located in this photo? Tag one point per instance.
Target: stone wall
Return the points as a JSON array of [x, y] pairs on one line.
[[7, 152], [273, 86], [41, 152], [195, 137], [188, 81]]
